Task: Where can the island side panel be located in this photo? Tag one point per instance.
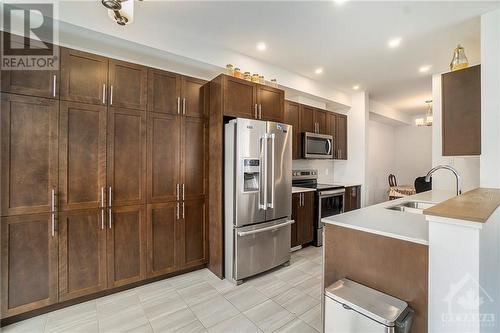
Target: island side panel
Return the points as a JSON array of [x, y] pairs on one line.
[[395, 267]]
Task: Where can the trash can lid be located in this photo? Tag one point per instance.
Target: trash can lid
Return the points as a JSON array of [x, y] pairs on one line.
[[370, 302]]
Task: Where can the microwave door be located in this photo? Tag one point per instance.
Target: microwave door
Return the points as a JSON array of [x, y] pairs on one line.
[[279, 171], [249, 164]]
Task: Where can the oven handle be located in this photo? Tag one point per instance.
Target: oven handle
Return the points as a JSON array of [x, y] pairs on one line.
[[273, 227], [332, 193]]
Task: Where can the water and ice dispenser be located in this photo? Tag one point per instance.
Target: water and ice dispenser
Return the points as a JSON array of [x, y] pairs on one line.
[[251, 175]]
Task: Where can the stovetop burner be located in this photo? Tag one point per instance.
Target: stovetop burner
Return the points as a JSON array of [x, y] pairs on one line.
[[309, 179]]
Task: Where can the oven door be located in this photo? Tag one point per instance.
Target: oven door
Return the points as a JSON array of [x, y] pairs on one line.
[[317, 145], [331, 203]]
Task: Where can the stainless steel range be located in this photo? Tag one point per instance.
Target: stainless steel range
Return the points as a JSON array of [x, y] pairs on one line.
[[257, 196], [329, 198]]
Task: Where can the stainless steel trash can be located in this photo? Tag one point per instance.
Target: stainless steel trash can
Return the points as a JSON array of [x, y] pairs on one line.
[[353, 307]]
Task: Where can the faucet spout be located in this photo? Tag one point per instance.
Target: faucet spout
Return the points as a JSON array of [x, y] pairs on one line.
[[450, 168]]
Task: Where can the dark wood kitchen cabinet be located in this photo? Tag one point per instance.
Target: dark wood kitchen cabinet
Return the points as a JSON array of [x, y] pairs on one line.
[[162, 240], [29, 263], [352, 198], [128, 84], [163, 157], [84, 77], [82, 253], [126, 156], [303, 215], [192, 97], [192, 230], [126, 245], [29, 153], [292, 117], [164, 91], [307, 119], [82, 156], [461, 109], [193, 158], [245, 99], [320, 119], [340, 137]]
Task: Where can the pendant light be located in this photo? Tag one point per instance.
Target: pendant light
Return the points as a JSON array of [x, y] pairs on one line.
[[459, 60], [428, 117]]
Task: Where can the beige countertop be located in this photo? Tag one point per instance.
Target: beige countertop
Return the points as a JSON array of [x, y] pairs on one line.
[[476, 205], [377, 219]]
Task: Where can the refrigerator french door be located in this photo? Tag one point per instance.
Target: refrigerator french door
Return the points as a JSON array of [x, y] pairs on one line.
[[258, 195]]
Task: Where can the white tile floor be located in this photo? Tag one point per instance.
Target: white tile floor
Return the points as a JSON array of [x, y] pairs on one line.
[[286, 299]]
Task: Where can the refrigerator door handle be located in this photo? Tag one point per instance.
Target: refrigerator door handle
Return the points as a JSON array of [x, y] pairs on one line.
[[273, 227], [273, 185], [263, 172]]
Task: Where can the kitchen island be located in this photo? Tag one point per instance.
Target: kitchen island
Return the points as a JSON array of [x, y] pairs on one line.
[[384, 249]]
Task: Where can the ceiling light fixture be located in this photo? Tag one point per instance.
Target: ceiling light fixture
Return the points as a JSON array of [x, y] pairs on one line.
[[261, 46], [120, 11], [340, 2], [355, 87], [427, 121], [424, 69], [393, 43], [319, 70]]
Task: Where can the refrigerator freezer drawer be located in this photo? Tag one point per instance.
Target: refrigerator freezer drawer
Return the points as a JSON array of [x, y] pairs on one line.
[[261, 247]]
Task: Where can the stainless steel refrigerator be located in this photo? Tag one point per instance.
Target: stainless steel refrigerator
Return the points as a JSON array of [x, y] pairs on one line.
[[257, 196]]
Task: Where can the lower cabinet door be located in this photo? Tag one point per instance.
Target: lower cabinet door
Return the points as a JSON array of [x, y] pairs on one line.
[[296, 207], [126, 245], [163, 219], [29, 263], [192, 230], [307, 218], [82, 253]]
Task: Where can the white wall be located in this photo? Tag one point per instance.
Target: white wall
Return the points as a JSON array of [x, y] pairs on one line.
[[490, 99], [354, 169], [467, 166], [381, 160], [413, 151]]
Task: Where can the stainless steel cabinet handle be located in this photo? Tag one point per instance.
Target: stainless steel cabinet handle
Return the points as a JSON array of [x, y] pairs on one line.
[[111, 95], [183, 210], [184, 105], [260, 111], [183, 190], [273, 227], [178, 105], [54, 79], [104, 93], [177, 192], [177, 206], [110, 214], [256, 114], [102, 207], [271, 204], [301, 199], [53, 210]]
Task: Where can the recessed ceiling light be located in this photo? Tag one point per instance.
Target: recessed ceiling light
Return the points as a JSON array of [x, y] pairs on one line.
[[318, 70], [340, 2], [355, 87], [424, 69], [393, 43], [261, 46]]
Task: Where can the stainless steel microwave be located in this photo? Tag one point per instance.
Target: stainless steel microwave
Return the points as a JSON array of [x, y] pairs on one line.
[[317, 145]]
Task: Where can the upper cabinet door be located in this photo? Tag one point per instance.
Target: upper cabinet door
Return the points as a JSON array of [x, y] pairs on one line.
[[239, 98], [40, 83], [341, 137], [83, 77], [29, 263], [164, 157], [461, 101], [271, 102], [194, 158], [82, 155], [164, 92], [128, 85], [126, 156], [193, 103], [291, 117], [29, 154], [307, 123], [320, 119]]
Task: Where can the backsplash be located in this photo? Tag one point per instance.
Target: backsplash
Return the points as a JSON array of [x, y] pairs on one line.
[[324, 167]]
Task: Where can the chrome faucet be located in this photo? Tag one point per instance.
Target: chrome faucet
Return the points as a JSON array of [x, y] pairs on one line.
[[447, 167]]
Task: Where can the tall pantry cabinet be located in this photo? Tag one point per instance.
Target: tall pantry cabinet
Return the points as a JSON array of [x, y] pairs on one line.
[[103, 179]]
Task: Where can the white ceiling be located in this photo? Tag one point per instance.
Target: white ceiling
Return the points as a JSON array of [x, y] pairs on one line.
[[349, 41]]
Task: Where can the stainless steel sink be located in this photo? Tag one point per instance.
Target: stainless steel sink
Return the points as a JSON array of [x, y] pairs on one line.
[[416, 207]]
